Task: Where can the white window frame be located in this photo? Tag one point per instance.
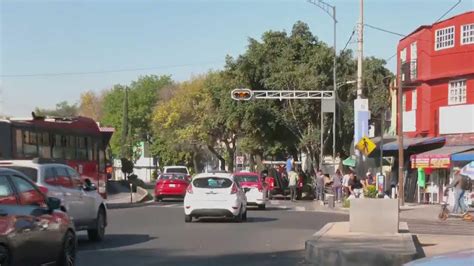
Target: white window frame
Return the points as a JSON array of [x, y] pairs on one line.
[[414, 99], [467, 34], [413, 60], [403, 55], [444, 38], [457, 92]]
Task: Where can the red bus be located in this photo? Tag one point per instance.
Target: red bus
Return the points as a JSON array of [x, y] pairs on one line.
[[78, 141]]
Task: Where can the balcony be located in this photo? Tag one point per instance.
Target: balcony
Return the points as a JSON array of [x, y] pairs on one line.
[[409, 71]]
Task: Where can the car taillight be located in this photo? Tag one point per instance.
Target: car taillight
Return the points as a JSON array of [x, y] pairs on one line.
[[43, 189], [189, 189], [234, 189]]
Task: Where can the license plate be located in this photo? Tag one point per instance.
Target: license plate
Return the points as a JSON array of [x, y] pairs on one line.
[[172, 185]]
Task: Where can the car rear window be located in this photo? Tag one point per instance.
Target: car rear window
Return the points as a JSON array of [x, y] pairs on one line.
[[172, 177], [30, 172], [212, 182], [177, 170], [246, 178]]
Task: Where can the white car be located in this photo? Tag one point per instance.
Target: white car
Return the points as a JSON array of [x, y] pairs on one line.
[[215, 195], [253, 181], [81, 201], [178, 169]]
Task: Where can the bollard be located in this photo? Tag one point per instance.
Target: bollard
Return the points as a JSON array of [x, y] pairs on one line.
[[131, 193], [330, 198]]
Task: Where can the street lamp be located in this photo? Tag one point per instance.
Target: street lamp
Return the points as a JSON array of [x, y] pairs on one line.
[[331, 11]]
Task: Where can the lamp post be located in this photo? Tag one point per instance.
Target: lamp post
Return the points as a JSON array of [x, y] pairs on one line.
[[331, 11]]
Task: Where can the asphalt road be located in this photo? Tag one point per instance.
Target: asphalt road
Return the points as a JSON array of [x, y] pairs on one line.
[[157, 235]]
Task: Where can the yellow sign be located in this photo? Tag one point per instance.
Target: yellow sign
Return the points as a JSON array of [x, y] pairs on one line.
[[366, 146]]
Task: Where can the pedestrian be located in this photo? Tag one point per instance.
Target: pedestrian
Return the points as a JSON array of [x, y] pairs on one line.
[[355, 187], [293, 180], [345, 184], [461, 184], [319, 185], [337, 185], [289, 165], [365, 180]]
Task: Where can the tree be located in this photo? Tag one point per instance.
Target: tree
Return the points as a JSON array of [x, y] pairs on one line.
[[91, 105], [143, 96], [63, 109]]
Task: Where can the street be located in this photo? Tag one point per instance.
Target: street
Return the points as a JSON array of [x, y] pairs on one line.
[[157, 235]]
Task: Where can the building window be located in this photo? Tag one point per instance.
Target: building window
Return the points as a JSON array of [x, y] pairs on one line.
[[444, 38], [403, 55], [467, 34], [413, 61], [414, 100], [457, 92]]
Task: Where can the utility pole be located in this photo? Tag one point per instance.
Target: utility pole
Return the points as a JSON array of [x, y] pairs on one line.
[[401, 159], [360, 49]]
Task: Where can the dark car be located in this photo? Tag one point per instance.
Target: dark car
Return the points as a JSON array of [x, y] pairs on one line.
[[32, 229]]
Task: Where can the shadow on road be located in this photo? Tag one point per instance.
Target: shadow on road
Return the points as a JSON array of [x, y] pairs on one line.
[[112, 241], [229, 220], [138, 257]]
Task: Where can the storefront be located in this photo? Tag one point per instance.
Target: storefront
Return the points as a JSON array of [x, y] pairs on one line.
[[436, 166]]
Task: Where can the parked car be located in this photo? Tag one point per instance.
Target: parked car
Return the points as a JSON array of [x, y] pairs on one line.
[[277, 184], [79, 199], [256, 196], [33, 231], [172, 185], [175, 169], [215, 195]]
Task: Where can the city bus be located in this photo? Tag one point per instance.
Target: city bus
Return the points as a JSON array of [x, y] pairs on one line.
[[76, 141]]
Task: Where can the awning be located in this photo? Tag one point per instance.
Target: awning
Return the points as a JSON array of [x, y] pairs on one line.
[[438, 158], [463, 156], [411, 142]]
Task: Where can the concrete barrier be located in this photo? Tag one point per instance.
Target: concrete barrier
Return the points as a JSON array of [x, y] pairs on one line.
[[334, 245], [374, 216]]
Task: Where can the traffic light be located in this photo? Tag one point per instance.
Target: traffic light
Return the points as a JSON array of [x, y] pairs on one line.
[[241, 94]]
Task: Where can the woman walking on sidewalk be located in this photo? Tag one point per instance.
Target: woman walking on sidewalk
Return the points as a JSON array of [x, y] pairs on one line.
[[337, 185]]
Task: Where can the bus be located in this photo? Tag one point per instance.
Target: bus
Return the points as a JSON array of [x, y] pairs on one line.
[[77, 141]]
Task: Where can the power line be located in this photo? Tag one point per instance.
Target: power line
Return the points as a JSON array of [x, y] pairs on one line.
[[449, 10], [104, 71], [348, 41], [384, 30]]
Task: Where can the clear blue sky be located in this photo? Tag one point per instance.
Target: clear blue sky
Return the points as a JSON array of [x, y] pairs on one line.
[[180, 38]]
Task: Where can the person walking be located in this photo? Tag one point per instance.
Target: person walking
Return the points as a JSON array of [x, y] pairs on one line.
[[461, 184], [319, 185], [293, 180], [345, 184], [337, 185]]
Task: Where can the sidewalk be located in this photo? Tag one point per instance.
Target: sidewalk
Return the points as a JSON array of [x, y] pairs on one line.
[[433, 236]]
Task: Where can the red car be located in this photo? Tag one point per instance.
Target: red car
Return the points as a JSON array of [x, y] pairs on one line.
[[33, 231], [171, 185]]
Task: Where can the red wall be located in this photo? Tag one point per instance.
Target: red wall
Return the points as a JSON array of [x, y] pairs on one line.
[[435, 70]]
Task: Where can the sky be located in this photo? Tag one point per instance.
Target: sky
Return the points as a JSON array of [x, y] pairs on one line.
[[181, 38]]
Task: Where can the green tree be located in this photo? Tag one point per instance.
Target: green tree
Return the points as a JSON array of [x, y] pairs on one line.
[[143, 96], [63, 109]]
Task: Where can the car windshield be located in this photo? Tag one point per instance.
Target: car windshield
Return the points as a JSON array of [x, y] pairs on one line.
[[172, 177], [246, 178], [31, 173], [177, 170], [212, 182]]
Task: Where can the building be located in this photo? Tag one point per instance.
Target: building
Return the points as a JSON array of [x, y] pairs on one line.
[[436, 69]]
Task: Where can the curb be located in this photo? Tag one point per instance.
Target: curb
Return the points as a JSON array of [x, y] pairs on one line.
[[112, 206]]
